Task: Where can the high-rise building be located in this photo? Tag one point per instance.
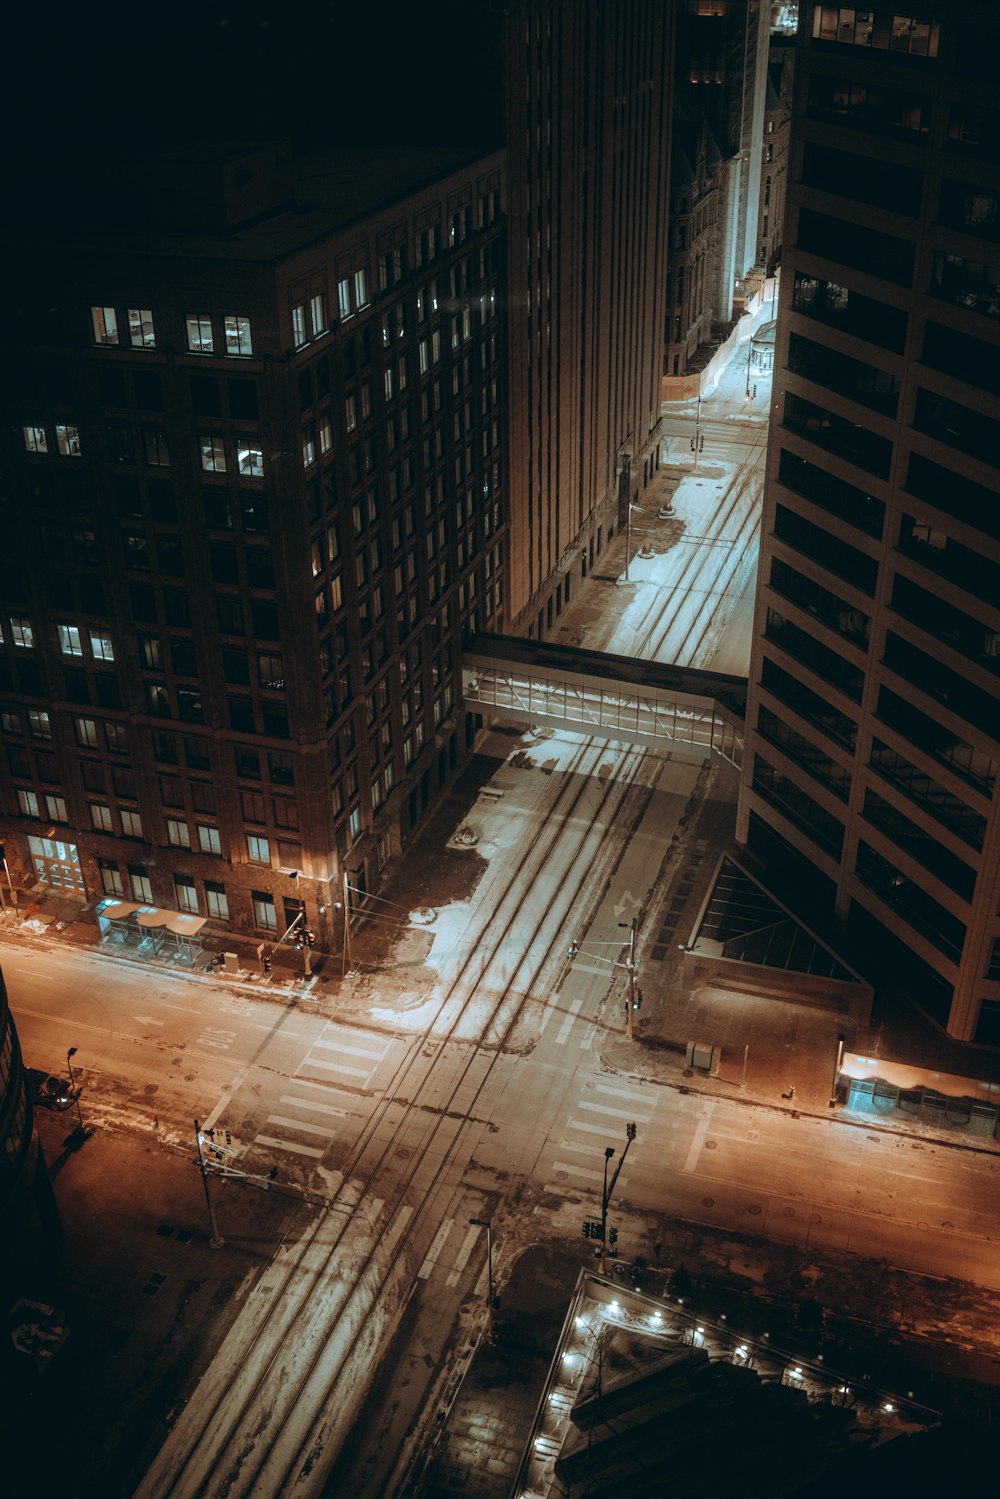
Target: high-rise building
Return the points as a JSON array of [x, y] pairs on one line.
[[874, 708], [253, 497], [588, 130]]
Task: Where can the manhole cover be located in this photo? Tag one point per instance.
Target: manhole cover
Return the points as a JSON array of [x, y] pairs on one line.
[[708, 1202], [711, 1145], [754, 1210], [788, 1212], [151, 1088], [815, 1218], [560, 1176]]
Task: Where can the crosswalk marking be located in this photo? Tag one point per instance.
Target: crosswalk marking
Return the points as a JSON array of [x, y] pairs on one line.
[[309, 1150], [317, 1108], [436, 1246], [462, 1259], [590, 1173], [633, 1095], [567, 1025], [335, 1067], [351, 1051], [310, 1129], [588, 1129]]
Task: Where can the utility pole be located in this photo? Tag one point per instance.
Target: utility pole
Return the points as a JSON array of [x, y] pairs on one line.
[[606, 1195], [697, 442], [630, 996], [216, 1241]]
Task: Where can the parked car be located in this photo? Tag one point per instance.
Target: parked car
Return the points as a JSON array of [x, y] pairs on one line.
[[48, 1092]]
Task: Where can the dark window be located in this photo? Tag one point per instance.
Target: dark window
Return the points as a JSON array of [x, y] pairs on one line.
[[928, 793], [911, 902], [955, 495], [938, 681], [111, 387], [229, 612], [800, 809], [841, 307], [835, 612], [849, 440], [883, 255], [800, 749], [161, 500], [223, 563], [849, 377], [808, 704], [953, 627], [973, 210], [831, 553], [235, 667], [973, 765], [966, 358], [205, 395], [176, 609], [818, 657], [121, 442], [958, 426], [265, 621], [866, 179], [128, 498], [243, 400], [182, 657], [148, 390]]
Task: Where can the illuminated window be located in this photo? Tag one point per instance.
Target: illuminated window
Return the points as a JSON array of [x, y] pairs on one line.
[[101, 646], [350, 413], [111, 877], [215, 900], [22, 634], [199, 334], [35, 440], [271, 672], [299, 334], [86, 733], [69, 640], [238, 340], [208, 840], [142, 890], [344, 306], [100, 817], [264, 914], [213, 454], [187, 893], [55, 808], [105, 322], [131, 824], [317, 314], [140, 328], [258, 850], [68, 440], [325, 435], [251, 457], [177, 834], [308, 449], [28, 803], [39, 724]]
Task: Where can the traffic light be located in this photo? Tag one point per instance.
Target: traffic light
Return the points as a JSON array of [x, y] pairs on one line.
[[637, 999], [272, 1173], [630, 1131], [310, 937], [266, 963], [574, 948], [613, 1236]]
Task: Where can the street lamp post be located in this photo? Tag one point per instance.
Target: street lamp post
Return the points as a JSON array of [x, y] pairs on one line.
[[216, 1241], [628, 535], [80, 1130], [485, 1223]]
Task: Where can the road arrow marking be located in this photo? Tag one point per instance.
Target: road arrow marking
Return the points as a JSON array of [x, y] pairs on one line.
[[147, 1020], [628, 899]]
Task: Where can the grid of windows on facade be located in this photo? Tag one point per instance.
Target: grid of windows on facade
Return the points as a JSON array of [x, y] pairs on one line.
[[882, 29]]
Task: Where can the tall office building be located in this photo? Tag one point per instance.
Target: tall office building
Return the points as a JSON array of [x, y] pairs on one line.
[[588, 133], [874, 707], [253, 497]]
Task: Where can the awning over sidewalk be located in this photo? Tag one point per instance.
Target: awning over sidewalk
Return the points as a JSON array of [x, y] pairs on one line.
[[118, 919]]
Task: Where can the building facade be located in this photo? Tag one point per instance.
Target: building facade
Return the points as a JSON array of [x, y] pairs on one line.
[[874, 706], [254, 495], [588, 131]]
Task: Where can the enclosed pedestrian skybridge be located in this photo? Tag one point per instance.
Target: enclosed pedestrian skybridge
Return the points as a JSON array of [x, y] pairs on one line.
[[690, 713]]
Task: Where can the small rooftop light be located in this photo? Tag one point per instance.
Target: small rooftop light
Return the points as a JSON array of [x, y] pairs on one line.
[[614, 1306], [889, 1407], [579, 1322]]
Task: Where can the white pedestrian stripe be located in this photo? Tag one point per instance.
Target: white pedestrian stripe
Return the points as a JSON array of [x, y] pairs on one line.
[[589, 1173], [589, 1129], [317, 1108], [435, 1249], [308, 1129], [635, 1095], [352, 1051], [313, 1062], [454, 1275], [568, 1023], [309, 1150]]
